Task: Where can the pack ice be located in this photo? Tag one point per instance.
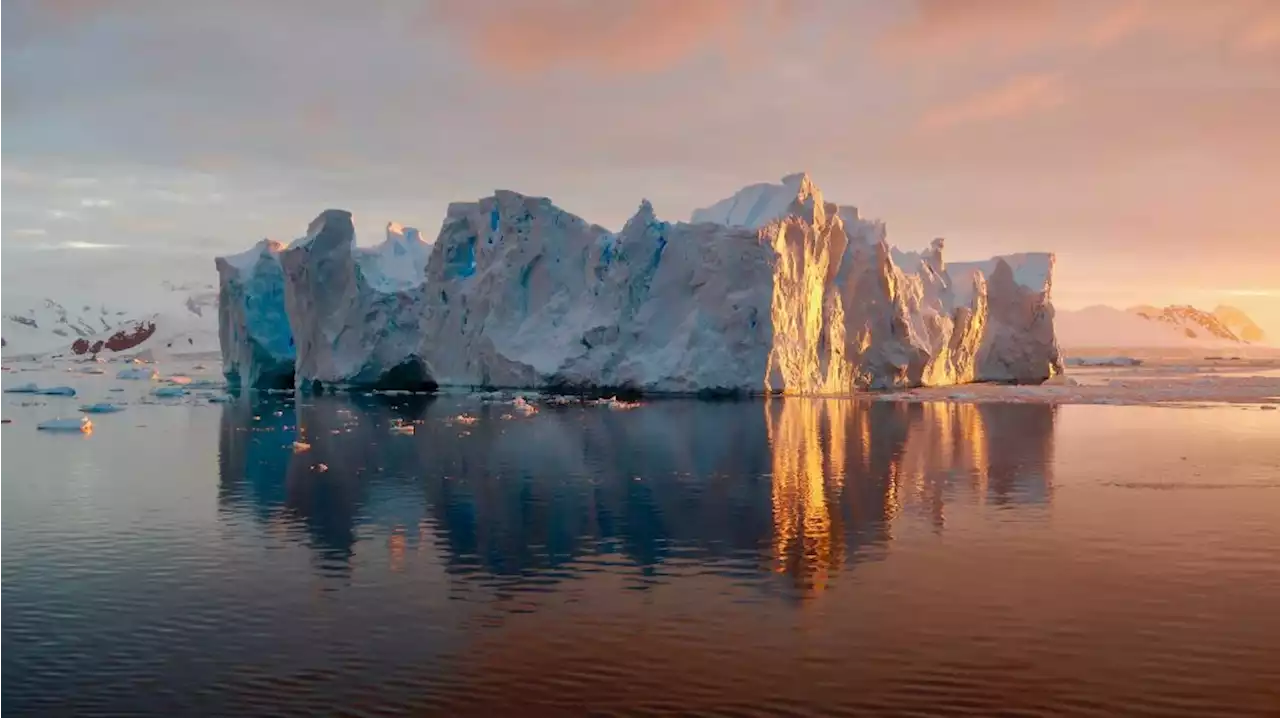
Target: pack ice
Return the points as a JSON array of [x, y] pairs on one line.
[[771, 290]]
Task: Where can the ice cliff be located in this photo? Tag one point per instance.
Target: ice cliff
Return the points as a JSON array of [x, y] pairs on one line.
[[253, 327], [773, 289], [356, 314]]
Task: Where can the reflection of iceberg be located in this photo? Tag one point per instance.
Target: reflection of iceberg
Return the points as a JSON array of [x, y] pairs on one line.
[[800, 485], [844, 469], [260, 471]]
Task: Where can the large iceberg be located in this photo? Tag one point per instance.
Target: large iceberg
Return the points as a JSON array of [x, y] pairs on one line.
[[356, 314], [253, 326], [524, 294], [772, 290]]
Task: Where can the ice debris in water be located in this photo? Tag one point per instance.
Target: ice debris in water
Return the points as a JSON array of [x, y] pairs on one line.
[[28, 388], [137, 372], [615, 403], [170, 391], [400, 427], [520, 406], [81, 424], [465, 419], [300, 446], [57, 391], [101, 408], [179, 379]]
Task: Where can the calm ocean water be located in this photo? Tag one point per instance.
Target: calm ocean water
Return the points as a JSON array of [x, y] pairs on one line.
[[784, 557]]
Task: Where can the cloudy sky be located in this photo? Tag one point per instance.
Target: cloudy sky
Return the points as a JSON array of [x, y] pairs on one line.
[[1135, 138]]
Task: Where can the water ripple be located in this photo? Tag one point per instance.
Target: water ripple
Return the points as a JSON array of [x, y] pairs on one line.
[[772, 558]]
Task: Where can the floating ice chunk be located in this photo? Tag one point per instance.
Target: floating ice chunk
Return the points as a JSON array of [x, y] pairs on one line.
[[1103, 361], [170, 391], [465, 419], [81, 424], [402, 429], [179, 379], [28, 388], [101, 408], [300, 446], [520, 406], [138, 372], [57, 391]]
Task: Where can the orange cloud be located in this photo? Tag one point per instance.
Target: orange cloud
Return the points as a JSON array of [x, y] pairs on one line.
[[617, 36], [1019, 96]]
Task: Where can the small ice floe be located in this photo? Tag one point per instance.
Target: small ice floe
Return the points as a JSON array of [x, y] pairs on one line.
[[402, 428], [28, 388], [102, 407], [179, 379], [205, 384], [561, 400], [321, 467], [92, 370], [138, 372], [81, 424], [465, 419], [1103, 361], [520, 406], [56, 391], [169, 391], [300, 446]]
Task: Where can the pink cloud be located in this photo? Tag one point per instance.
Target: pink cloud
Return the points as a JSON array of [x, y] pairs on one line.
[[618, 36], [1019, 96], [1004, 28]]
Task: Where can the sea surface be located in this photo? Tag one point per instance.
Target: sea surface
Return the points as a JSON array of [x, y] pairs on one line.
[[772, 557]]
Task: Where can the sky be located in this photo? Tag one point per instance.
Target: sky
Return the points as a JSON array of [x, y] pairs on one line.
[[1136, 139]]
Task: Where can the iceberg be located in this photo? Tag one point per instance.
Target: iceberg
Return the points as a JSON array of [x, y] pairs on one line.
[[253, 327], [773, 290], [356, 313]]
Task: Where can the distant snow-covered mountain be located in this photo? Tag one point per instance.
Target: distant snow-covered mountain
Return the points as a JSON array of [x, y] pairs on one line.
[[176, 317], [1179, 326]]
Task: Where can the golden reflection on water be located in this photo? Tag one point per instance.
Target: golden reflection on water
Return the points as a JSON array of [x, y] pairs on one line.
[[842, 460]]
